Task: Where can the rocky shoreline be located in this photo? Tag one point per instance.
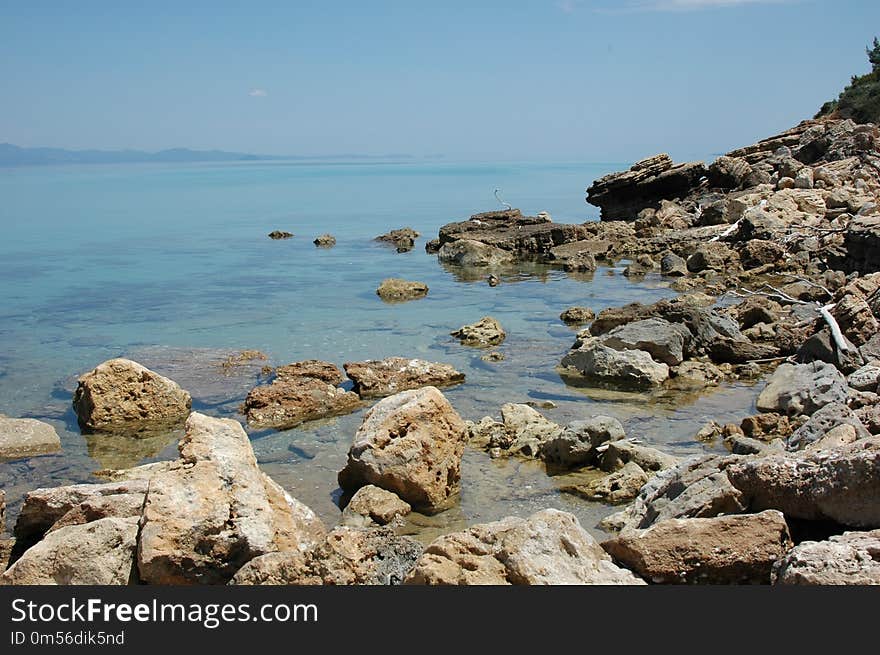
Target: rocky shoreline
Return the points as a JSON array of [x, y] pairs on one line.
[[773, 250]]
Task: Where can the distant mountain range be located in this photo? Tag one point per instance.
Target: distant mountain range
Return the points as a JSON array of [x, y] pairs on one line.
[[12, 155]]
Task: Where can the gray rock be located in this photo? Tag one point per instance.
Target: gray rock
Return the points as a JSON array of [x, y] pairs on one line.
[[866, 378], [666, 342], [575, 445], [673, 265], [26, 437], [628, 368], [468, 252], [852, 558], [802, 389], [526, 430], [821, 422], [821, 348], [620, 452]]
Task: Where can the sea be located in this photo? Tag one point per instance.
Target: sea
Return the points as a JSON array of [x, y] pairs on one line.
[[171, 265]]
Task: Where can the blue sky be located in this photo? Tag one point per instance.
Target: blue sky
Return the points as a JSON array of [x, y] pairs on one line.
[[558, 79]]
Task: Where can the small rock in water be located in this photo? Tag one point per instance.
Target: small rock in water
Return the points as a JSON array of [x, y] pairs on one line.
[[485, 332], [26, 437], [279, 234], [242, 358], [494, 356], [403, 239], [397, 290], [577, 315], [493, 280], [325, 241]]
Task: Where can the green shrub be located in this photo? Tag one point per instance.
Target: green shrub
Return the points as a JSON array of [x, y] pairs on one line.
[[860, 100]]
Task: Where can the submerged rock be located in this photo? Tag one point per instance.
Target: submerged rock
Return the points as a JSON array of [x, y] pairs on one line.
[[26, 437], [485, 332], [325, 241], [619, 487], [721, 550], [397, 290], [280, 234], [377, 378], [410, 443], [547, 548], [121, 394]]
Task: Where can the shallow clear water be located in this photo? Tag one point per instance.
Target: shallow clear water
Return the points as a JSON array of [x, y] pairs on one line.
[[170, 265]]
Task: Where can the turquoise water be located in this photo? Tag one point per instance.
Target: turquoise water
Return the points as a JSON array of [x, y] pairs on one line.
[[171, 265]]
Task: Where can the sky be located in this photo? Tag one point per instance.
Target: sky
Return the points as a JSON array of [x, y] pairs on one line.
[[542, 80]]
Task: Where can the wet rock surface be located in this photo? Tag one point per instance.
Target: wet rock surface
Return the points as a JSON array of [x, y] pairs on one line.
[[25, 437], [398, 290], [485, 332], [379, 378]]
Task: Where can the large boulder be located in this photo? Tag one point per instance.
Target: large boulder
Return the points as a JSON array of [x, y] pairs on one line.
[[121, 394], [215, 510], [802, 388], [26, 437], [379, 378], [468, 252], [300, 392], [719, 550], [101, 552], [666, 342], [410, 443], [597, 362], [398, 290], [347, 556], [548, 548], [485, 332], [847, 559], [840, 485], [621, 196]]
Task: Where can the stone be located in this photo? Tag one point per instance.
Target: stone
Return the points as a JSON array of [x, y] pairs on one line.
[[621, 452], [856, 319], [2, 511], [378, 506], [673, 265], [740, 351], [835, 438], [759, 252], [756, 309], [402, 239], [715, 256], [101, 552], [867, 378], [325, 241], [822, 421], [410, 443], [766, 426], [795, 389], [26, 437], [397, 290], [804, 178], [841, 485], [852, 558], [666, 342], [280, 234], [290, 401], [379, 378], [577, 315], [525, 430], [821, 347], [861, 245], [485, 332], [576, 445], [215, 510], [311, 368], [468, 252], [692, 373], [6, 547], [621, 196], [348, 556], [627, 368], [619, 487], [583, 261], [719, 550], [121, 394], [547, 548], [729, 172]]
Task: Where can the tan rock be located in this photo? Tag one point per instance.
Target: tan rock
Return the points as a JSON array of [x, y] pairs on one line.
[[96, 553], [397, 290], [549, 547], [121, 394], [290, 401], [722, 550], [618, 487], [26, 437], [311, 368], [215, 511], [410, 443], [852, 558], [379, 378], [485, 332], [372, 505]]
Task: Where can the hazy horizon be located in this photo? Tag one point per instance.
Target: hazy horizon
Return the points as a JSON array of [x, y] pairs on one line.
[[565, 80]]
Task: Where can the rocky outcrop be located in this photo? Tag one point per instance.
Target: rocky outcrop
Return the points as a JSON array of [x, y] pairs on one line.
[[26, 437], [621, 196], [378, 378], [721, 550], [100, 552], [280, 234], [403, 239], [397, 290], [577, 315], [852, 558], [485, 332], [121, 395], [325, 241], [549, 547], [469, 252], [597, 362], [861, 245], [371, 505], [300, 392], [215, 510], [410, 443], [348, 556]]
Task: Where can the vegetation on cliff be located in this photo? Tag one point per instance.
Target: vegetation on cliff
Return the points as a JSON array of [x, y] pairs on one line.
[[860, 100]]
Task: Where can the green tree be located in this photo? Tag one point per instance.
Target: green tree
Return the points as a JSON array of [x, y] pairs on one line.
[[874, 55]]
